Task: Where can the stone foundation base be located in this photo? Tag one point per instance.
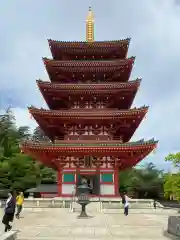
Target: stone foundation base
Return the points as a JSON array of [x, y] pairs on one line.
[[12, 235], [174, 226]]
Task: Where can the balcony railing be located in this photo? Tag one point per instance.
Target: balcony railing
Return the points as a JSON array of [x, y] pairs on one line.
[[89, 137]]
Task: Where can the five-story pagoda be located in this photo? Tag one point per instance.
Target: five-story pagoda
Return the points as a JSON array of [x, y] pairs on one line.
[[90, 121]]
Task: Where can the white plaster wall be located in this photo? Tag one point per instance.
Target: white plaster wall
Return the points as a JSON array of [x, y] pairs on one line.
[[107, 170], [68, 188], [68, 170], [107, 189]]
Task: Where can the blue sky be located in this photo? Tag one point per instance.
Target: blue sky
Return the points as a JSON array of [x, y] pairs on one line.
[[154, 28]]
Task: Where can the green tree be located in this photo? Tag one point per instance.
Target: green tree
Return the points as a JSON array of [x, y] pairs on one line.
[[174, 158], [19, 172], [48, 175], [16, 170], [126, 178], [7, 133], [172, 181], [172, 186], [148, 176], [26, 173], [10, 136], [146, 181], [23, 132], [5, 182], [38, 134]]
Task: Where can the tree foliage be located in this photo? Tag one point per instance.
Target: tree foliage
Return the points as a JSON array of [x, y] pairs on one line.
[[172, 181], [174, 158], [48, 175], [39, 135], [172, 186], [8, 140], [147, 181], [17, 170]]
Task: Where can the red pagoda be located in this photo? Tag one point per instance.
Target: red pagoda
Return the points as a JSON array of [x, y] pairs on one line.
[[90, 121]]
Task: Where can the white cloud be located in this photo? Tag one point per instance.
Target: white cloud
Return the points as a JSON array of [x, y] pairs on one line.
[[23, 118]]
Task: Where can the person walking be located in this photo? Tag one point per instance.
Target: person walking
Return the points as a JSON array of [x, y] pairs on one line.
[[125, 201], [19, 204], [154, 204], [9, 211]]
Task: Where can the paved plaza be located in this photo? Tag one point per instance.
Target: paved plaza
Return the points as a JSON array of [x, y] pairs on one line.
[[60, 224]]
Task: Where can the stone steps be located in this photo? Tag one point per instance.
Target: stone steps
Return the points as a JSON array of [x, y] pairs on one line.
[[101, 238]]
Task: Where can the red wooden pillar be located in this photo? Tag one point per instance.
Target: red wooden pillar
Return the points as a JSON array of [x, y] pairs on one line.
[[99, 176], [77, 175], [59, 180], [116, 181]]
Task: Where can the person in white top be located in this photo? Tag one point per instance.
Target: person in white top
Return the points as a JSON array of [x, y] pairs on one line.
[[125, 201]]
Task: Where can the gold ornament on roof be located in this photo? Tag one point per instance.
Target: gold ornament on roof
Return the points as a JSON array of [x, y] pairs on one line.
[[90, 26]]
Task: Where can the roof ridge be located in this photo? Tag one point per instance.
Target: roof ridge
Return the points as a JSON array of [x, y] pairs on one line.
[[45, 59], [31, 108], [85, 42], [39, 81]]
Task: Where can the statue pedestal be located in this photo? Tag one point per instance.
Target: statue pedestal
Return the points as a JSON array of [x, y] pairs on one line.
[[174, 226], [83, 200], [83, 213]]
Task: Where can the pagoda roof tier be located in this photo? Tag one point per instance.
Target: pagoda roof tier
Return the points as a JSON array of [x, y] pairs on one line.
[[89, 114], [53, 123], [114, 70], [119, 95], [62, 50], [127, 154], [86, 88]]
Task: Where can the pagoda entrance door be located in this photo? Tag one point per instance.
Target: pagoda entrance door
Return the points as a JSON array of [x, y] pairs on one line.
[[93, 181]]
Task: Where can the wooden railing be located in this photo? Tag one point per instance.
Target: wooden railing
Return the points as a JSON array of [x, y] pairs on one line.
[[88, 137]]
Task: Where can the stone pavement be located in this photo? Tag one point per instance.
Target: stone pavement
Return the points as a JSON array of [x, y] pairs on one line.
[[53, 224]]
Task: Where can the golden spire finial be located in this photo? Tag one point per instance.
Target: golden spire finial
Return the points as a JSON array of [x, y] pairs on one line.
[[90, 26]]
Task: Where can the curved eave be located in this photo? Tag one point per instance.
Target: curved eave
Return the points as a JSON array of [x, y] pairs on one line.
[[128, 154], [80, 48], [100, 114], [55, 128], [105, 147], [53, 125], [86, 45], [125, 92], [79, 64], [119, 70], [48, 86]]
